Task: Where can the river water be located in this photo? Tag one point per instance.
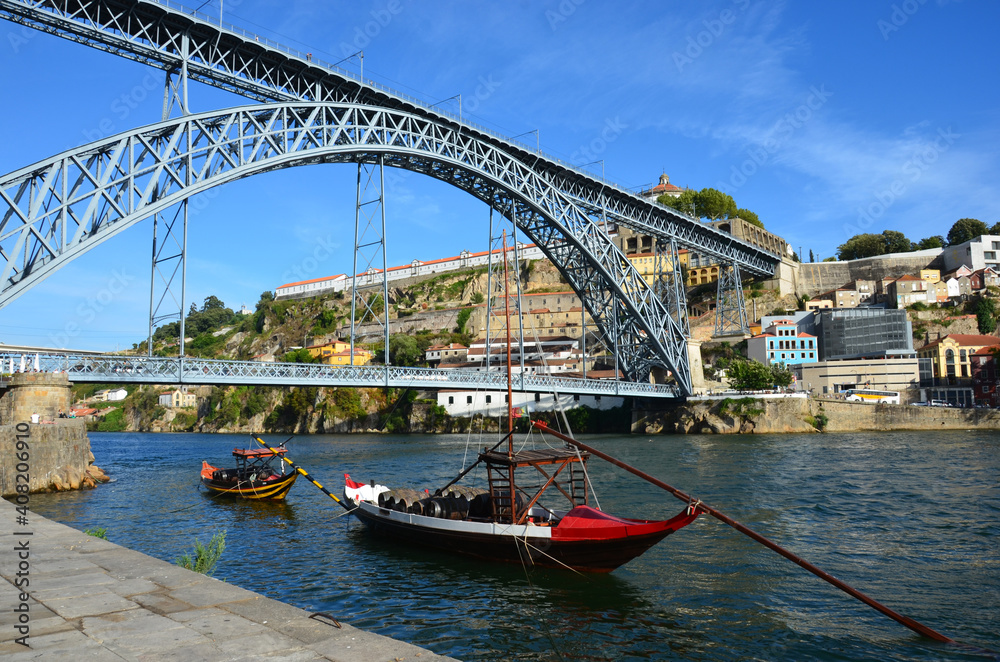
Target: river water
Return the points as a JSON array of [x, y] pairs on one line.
[[911, 519]]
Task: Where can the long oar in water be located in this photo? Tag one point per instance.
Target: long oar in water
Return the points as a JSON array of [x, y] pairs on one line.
[[899, 618], [304, 473]]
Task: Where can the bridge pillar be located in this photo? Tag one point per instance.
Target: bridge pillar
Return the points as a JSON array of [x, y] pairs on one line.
[[694, 361]]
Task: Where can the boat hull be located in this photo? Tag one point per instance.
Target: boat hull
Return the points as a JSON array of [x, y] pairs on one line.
[[581, 548], [269, 489]]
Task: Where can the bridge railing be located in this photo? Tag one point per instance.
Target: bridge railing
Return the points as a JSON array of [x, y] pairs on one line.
[[196, 371]]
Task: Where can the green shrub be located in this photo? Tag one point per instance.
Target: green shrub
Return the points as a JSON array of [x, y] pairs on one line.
[[98, 532], [204, 558]]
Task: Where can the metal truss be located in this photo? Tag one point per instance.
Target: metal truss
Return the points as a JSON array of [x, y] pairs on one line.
[[668, 282], [730, 313], [116, 369], [169, 266], [195, 47], [56, 210], [369, 248]]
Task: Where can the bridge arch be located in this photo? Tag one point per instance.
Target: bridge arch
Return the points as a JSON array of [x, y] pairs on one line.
[[58, 209]]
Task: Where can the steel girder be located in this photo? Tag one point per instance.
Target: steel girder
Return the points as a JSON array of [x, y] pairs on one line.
[[56, 210], [117, 369], [234, 60]]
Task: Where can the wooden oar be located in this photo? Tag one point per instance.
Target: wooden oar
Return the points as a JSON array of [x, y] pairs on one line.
[[304, 473], [899, 618]]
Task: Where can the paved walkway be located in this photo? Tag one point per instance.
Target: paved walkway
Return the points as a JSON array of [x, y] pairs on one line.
[[93, 600]]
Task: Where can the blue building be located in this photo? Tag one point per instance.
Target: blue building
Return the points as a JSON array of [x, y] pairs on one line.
[[783, 343]]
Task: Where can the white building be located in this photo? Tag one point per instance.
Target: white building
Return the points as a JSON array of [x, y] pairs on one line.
[[341, 282], [494, 403], [111, 395], [978, 253]]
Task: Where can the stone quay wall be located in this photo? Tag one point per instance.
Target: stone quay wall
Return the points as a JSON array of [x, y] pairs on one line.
[[797, 415], [58, 454], [818, 277]]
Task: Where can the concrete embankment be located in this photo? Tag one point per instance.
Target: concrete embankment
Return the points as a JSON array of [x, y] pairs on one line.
[[67, 595], [748, 415]]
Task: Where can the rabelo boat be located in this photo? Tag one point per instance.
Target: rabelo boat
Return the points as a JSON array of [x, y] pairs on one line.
[[508, 519], [254, 476]]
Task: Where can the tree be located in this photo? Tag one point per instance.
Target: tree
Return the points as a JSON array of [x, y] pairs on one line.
[[749, 217], [403, 350], [265, 298], [684, 203], [861, 245], [749, 375], [986, 316], [715, 204], [462, 320], [936, 241], [780, 375], [995, 229], [212, 302], [896, 242], [966, 229]]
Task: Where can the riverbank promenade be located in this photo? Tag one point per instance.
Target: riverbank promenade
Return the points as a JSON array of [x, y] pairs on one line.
[[93, 600]]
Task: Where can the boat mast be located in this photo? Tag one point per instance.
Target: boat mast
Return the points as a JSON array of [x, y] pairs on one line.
[[506, 310]]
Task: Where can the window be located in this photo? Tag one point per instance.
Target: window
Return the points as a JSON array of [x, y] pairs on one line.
[[451, 399], [597, 398], [986, 389], [576, 398], [989, 255], [538, 397], [489, 399], [810, 355], [468, 399]]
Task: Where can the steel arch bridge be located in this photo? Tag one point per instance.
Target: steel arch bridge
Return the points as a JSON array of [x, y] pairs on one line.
[[59, 208]]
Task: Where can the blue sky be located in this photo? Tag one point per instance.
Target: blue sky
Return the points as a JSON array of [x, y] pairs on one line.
[[826, 119]]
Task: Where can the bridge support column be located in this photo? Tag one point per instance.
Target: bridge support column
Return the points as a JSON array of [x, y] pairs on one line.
[[369, 246], [169, 264], [730, 311]]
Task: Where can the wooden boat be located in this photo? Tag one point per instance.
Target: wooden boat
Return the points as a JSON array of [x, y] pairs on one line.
[[491, 525], [253, 478]]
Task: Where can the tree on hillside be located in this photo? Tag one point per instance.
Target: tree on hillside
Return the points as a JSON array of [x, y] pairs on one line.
[[403, 350], [936, 241], [749, 217], [684, 203], [986, 316], [715, 204], [749, 375], [966, 229], [869, 245], [706, 203], [861, 245], [896, 242]]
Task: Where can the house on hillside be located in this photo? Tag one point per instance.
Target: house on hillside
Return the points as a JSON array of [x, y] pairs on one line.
[[177, 398], [951, 356], [782, 342]]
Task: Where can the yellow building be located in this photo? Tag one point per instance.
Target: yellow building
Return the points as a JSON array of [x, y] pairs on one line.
[[338, 352], [951, 356], [645, 264], [930, 275]]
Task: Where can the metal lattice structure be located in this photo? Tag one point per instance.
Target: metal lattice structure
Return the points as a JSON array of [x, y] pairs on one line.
[[158, 370], [730, 313], [61, 208], [58, 209]]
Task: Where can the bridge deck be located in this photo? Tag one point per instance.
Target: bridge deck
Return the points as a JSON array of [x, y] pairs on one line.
[[112, 369]]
